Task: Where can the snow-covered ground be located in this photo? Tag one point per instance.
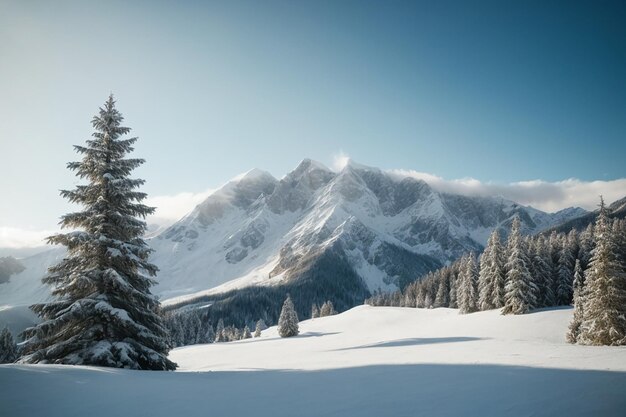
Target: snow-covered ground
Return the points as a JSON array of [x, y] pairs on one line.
[[369, 361]]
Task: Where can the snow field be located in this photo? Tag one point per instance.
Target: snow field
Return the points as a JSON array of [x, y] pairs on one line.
[[368, 361]]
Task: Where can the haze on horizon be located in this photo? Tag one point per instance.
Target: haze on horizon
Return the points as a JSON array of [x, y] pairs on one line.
[[480, 98]]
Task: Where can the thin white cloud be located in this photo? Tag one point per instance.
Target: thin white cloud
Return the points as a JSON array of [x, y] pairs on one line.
[[543, 195], [170, 208], [13, 237], [547, 196]]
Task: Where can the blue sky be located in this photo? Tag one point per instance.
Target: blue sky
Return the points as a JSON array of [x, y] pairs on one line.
[[495, 91]]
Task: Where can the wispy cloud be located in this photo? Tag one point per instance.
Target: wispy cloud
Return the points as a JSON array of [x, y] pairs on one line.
[[544, 195], [13, 237], [170, 208]]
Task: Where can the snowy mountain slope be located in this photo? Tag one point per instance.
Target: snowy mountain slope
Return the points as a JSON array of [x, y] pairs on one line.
[[258, 230], [390, 229], [616, 210], [25, 287], [368, 361]]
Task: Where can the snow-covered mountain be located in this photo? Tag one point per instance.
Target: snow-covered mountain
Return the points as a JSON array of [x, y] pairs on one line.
[[388, 229], [331, 233]]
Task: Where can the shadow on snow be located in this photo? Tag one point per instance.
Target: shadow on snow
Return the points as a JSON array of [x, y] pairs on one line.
[[394, 390], [415, 342]]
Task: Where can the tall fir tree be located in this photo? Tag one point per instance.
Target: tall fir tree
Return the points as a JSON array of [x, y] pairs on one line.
[[604, 315], [554, 249], [468, 297], [288, 320], [586, 242], [579, 303], [542, 270], [565, 276], [8, 348], [521, 291], [491, 276], [103, 312], [453, 289], [443, 290]]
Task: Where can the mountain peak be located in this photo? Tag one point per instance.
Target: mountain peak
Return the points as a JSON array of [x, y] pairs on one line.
[[351, 164], [252, 174]]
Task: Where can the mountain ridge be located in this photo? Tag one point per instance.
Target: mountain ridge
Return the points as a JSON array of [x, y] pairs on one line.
[[381, 229]]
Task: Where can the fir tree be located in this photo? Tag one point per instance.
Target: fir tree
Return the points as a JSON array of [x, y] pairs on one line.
[[453, 289], [288, 320], [103, 312], [315, 311], [521, 291], [491, 275], [443, 290], [219, 331], [246, 333], [565, 275], [586, 246], [467, 296], [579, 303], [260, 326], [327, 309], [542, 273], [554, 250], [8, 348], [604, 315]]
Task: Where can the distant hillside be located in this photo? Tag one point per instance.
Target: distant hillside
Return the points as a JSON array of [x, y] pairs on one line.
[[616, 210], [9, 266]]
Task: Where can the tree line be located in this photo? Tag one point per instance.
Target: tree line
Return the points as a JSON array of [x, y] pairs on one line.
[[524, 273]]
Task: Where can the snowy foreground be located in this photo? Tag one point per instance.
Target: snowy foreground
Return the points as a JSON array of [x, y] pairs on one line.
[[369, 361]]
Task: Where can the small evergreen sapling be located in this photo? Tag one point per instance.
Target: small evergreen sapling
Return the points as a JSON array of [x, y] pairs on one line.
[[246, 333], [260, 326], [288, 320], [315, 311]]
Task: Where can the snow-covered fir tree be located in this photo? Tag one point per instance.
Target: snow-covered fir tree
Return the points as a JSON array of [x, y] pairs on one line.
[[315, 311], [288, 320], [586, 243], [327, 309], [565, 276], [442, 299], [246, 333], [542, 272], [604, 314], [103, 312], [260, 326], [491, 276], [467, 290], [521, 291], [554, 250], [579, 303], [8, 348], [454, 282], [219, 331]]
